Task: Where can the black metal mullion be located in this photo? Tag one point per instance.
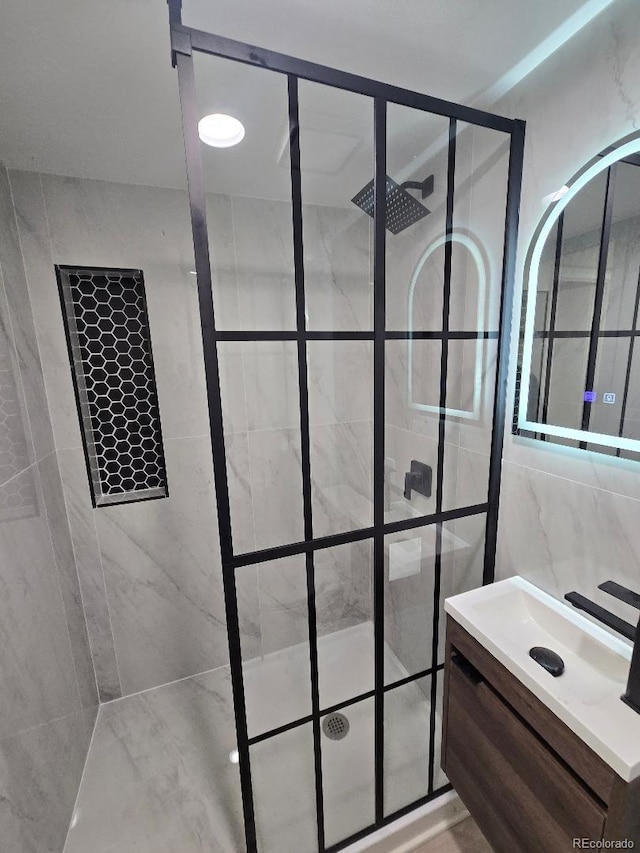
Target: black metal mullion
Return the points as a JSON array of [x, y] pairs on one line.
[[248, 54], [552, 317], [339, 706], [313, 335], [586, 333], [279, 551], [514, 180], [627, 378], [379, 323], [442, 419], [305, 441], [449, 335], [188, 103], [599, 296]]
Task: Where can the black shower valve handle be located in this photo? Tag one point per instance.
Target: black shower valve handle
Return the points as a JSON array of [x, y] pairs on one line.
[[418, 479]]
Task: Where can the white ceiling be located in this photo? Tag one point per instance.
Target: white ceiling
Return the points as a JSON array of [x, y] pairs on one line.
[[87, 88]]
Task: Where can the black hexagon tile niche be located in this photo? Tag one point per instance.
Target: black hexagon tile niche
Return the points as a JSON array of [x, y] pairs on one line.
[[107, 328]]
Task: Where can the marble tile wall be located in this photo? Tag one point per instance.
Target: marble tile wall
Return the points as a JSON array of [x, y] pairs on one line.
[[568, 518], [150, 573], [49, 697]]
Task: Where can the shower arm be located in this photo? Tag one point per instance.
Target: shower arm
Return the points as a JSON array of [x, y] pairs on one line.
[[425, 186]]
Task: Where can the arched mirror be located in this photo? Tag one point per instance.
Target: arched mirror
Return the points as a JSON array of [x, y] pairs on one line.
[[579, 366]]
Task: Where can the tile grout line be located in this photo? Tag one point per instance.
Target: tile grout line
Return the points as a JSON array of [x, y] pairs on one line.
[[24, 470], [46, 723], [165, 684]]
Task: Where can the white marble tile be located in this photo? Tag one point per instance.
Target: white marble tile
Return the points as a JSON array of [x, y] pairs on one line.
[[343, 576], [163, 578], [240, 492], [406, 722], [564, 536], [408, 603], [406, 249], [475, 432], [340, 377], [341, 476], [222, 254], [283, 603], [467, 536], [271, 385], [426, 360], [36, 661], [338, 262], [232, 387], [16, 444], [40, 771], [264, 263], [285, 813], [158, 777], [276, 485], [39, 266], [20, 323], [346, 662], [56, 512], [482, 158], [73, 473], [120, 225], [465, 478]]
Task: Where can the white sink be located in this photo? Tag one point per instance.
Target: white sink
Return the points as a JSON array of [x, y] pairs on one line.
[[511, 616]]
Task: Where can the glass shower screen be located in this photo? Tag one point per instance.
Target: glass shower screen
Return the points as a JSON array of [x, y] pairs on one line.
[[354, 256]]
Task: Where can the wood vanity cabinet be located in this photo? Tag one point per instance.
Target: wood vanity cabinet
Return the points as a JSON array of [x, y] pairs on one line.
[[529, 782]]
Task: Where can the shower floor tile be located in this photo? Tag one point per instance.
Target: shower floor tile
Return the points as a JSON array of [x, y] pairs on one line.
[[158, 777]]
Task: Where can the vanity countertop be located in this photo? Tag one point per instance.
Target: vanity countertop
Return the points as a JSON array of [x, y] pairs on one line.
[[511, 616]]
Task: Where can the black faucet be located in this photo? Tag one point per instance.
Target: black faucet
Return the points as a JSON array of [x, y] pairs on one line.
[[631, 696], [418, 479]]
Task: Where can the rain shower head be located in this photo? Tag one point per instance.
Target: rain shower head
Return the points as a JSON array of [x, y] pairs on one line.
[[402, 209]]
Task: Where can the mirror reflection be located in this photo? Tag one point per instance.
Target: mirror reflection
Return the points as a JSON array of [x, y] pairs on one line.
[[580, 367]]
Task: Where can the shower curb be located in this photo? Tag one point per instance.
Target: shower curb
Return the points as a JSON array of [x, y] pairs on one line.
[[408, 833]]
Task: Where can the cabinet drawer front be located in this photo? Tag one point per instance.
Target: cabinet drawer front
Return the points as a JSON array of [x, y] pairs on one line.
[[522, 797]]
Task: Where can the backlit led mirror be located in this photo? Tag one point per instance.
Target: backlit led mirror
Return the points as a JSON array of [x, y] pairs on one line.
[[579, 367]]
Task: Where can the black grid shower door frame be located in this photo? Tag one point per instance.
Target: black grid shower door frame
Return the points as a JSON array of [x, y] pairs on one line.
[[184, 41]]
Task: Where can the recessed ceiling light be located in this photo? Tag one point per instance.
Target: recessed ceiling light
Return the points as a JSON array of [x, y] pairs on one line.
[[234, 756], [556, 196], [220, 130]]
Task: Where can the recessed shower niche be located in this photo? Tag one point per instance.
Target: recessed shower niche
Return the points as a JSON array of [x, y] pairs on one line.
[[109, 346]]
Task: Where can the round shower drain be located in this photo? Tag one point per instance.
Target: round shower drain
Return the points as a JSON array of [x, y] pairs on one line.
[[335, 726]]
